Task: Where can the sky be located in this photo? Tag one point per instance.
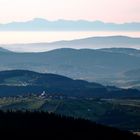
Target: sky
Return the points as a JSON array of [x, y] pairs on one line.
[[117, 11]]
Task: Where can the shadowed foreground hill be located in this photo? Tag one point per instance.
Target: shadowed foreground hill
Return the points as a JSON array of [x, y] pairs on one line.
[[24, 82], [44, 124]]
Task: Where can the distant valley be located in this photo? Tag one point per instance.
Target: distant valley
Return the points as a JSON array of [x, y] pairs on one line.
[[27, 90]]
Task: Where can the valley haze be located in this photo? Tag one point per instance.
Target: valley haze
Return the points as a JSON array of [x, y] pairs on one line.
[[84, 43]]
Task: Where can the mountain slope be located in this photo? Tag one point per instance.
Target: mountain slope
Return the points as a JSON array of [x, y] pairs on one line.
[[24, 82], [33, 78], [4, 50]]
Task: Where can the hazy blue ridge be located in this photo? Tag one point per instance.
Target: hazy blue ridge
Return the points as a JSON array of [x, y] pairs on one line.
[[69, 25]]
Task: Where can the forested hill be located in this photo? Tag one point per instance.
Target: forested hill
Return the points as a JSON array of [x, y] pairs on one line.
[[44, 124], [22, 82]]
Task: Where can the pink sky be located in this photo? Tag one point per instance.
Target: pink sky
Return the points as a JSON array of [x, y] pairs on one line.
[[118, 11]]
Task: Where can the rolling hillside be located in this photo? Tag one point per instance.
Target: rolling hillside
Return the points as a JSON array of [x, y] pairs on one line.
[[105, 66]]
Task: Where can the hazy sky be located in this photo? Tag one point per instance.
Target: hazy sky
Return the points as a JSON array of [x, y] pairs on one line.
[[106, 10]]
